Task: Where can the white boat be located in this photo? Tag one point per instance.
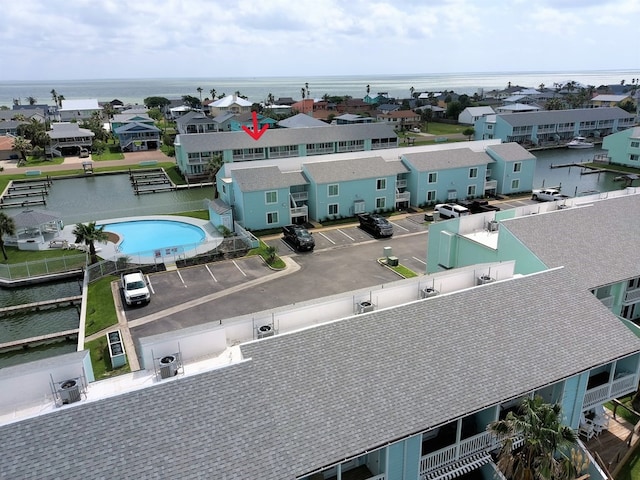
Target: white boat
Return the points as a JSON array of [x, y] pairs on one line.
[[579, 142]]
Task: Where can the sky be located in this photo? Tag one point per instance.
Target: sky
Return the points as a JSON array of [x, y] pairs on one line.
[[96, 39]]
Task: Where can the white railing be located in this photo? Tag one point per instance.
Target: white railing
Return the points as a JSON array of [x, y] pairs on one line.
[[632, 295], [403, 197], [300, 196], [596, 396], [623, 385], [490, 184], [401, 183], [478, 443], [434, 460], [299, 211], [607, 301]]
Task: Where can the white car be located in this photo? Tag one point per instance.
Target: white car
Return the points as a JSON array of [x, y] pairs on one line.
[[135, 289], [415, 130], [451, 210]]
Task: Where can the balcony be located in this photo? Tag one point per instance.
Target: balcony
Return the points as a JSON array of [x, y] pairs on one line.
[[469, 450], [623, 384], [401, 183], [302, 211], [403, 197], [490, 185], [300, 196], [632, 295]]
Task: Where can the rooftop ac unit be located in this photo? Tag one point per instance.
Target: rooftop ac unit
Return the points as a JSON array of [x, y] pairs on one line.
[[69, 391], [265, 331], [168, 366], [484, 279], [364, 307], [493, 226], [428, 292]]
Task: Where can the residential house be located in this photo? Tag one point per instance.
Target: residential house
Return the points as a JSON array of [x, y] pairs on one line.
[[229, 104], [306, 106], [470, 115], [301, 120], [555, 125], [610, 100], [193, 151], [246, 120], [376, 99], [400, 119], [285, 101], [179, 111], [68, 139], [351, 119], [9, 127], [513, 169], [79, 110], [6, 148], [196, 122], [387, 107], [436, 112], [517, 108], [485, 127], [353, 105], [286, 405], [623, 148], [121, 119], [33, 112], [137, 136]]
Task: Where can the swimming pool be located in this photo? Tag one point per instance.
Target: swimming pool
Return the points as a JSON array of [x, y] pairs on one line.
[[145, 235]]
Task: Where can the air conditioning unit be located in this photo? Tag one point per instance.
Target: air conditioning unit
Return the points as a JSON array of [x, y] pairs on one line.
[[364, 307], [428, 292], [168, 366], [493, 226], [484, 279], [69, 391], [265, 331]]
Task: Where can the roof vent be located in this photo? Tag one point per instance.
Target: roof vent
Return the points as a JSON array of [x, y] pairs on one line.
[[493, 226], [428, 292], [364, 307], [69, 391], [266, 331], [484, 279]]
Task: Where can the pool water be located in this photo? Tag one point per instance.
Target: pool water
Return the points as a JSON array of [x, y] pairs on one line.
[[146, 235]]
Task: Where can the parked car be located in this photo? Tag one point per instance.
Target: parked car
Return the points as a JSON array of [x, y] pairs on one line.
[[451, 210], [415, 130], [135, 288], [479, 206], [375, 224], [299, 237], [548, 195]]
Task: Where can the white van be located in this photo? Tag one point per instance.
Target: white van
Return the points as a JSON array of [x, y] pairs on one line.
[[451, 210]]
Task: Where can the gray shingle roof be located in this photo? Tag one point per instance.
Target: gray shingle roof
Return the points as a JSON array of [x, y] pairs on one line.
[[544, 117], [273, 137], [575, 238], [353, 169], [301, 120], [266, 178], [312, 398], [64, 130], [446, 159], [511, 152]]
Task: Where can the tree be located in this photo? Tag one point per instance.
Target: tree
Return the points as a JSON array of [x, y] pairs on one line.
[[95, 124], [89, 233], [31, 100], [303, 93], [627, 105], [453, 110], [368, 89], [212, 168], [156, 102], [546, 449], [426, 117], [270, 99], [54, 96], [213, 93], [469, 132], [412, 91], [155, 113], [22, 146], [199, 90], [554, 104], [7, 227], [192, 101]]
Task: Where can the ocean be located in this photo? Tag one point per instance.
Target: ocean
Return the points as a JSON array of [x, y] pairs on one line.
[[258, 88]]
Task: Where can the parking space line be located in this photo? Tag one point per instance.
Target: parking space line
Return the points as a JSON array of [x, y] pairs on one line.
[[421, 261], [327, 238], [399, 226], [238, 267], [211, 273], [150, 286], [181, 279], [350, 238], [288, 246]]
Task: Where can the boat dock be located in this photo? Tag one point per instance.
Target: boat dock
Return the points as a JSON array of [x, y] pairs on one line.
[[22, 193], [26, 342], [35, 306], [150, 181]]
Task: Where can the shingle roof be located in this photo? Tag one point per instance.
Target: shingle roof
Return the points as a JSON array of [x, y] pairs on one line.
[[64, 130], [312, 398], [352, 169], [577, 236], [511, 152], [131, 117], [266, 178], [136, 127], [301, 120], [273, 137], [543, 117], [446, 159]]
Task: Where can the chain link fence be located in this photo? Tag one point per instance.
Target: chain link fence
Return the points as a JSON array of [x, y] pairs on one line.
[[47, 266]]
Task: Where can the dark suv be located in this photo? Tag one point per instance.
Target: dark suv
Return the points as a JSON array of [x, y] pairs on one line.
[[299, 237], [375, 224]]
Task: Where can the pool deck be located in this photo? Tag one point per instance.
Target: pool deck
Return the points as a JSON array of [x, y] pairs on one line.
[[109, 250]]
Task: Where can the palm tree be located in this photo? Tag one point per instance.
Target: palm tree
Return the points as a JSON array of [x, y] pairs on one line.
[[88, 234], [54, 96], [31, 100], [368, 89], [270, 99], [199, 90], [412, 90], [212, 168], [303, 93], [60, 99], [213, 93], [22, 146], [7, 227], [536, 445]]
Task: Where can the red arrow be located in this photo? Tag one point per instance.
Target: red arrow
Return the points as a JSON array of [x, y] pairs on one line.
[[255, 133]]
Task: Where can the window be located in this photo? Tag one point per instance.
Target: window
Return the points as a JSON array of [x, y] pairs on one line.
[[517, 167], [332, 190], [381, 202], [224, 188], [473, 172], [333, 209], [271, 197], [471, 191], [635, 144], [272, 218], [431, 196], [433, 177], [634, 157], [381, 184], [515, 184]]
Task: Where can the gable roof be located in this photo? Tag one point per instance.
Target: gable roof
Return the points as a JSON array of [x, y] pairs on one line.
[[229, 100], [563, 116], [609, 98], [446, 159], [64, 130], [352, 169], [266, 178], [301, 120], [136, 127], [479, 111], [511, 152]]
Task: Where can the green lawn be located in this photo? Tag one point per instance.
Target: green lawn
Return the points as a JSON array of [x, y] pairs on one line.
[[199, 214], [21, 256], [112, 154], [100, 359], [444, 129], [262, 250], [37, 162], [101, 309]]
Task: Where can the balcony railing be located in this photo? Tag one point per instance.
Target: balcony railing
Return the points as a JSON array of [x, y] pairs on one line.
[[401, 183], [299, 211], [632, 295], [607, 301], [300, 196], [483, 442], [403, 197], [490, 185], [624, 384]]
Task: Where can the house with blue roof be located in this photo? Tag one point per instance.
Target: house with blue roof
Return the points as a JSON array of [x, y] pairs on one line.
[[196, 122], [623, 148], [246, 120], [135, 137]]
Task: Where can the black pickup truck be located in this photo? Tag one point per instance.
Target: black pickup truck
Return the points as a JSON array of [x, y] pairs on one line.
[[375, 224], [299, 237], [479, 206]]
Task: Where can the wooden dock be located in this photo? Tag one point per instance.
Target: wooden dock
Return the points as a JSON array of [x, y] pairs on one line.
[[25, 342], [151, 181], [35, 306]]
